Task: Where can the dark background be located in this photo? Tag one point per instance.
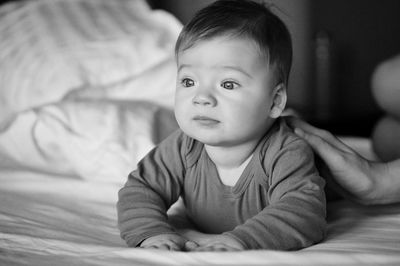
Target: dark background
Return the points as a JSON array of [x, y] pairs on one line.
[[363, 34]]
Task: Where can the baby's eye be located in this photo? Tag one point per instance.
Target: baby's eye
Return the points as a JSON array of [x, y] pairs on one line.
[[186, 82], [229, 85]]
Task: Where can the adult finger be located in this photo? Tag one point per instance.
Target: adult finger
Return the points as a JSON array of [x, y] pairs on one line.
[[299, 125], [330, 154]]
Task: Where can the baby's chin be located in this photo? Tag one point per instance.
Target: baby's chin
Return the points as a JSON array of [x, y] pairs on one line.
[[216, 140], [206, 139]]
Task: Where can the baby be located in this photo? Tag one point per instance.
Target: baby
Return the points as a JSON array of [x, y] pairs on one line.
[[246, 180]]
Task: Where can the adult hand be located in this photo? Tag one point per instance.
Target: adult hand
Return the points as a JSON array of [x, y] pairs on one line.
[[168, 242], [355, 175]]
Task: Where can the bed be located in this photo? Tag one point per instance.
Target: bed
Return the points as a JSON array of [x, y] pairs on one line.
[[86, 89]]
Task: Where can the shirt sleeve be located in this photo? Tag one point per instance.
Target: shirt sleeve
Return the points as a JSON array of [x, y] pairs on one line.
[[150, 190], [295, 216]]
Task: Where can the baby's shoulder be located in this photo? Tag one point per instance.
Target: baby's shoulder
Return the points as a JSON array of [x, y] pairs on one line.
[[282, 138], [283, 146], [177, 138], [189, 148]]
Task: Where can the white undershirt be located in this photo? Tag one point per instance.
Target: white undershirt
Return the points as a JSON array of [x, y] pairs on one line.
[[230, 176]]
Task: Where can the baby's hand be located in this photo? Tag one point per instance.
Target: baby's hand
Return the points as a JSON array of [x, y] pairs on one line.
[[168, 242], [219, 243]]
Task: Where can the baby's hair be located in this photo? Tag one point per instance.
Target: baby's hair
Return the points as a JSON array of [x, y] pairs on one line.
[[242, 18]]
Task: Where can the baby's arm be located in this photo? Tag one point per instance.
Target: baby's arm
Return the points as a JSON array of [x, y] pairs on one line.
[[198, 241], [150, 191], [295, 216]]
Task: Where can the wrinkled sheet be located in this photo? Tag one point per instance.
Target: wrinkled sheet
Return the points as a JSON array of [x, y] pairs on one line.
[[98, 140], [54, 220]]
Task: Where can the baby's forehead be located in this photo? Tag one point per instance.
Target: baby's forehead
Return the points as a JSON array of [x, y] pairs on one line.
[[219, 41], [219, 53]]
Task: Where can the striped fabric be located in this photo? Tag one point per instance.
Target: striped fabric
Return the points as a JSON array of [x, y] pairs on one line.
[[50, 47]]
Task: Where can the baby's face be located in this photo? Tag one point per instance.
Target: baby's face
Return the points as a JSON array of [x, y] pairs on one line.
[[224, 91]]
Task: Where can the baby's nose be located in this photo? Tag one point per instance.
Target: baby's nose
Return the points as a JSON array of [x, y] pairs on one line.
[[204, 97]]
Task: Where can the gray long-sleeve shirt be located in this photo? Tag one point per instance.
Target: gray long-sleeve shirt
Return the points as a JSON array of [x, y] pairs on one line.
[[277, 203]]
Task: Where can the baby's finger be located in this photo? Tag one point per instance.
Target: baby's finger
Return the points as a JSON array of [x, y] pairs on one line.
[[190, 245], [216, 247], [163, 247], [150, 247], [204, 248], [174, 247]]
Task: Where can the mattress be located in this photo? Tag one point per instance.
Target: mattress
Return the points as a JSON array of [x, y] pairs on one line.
[[58, 220]]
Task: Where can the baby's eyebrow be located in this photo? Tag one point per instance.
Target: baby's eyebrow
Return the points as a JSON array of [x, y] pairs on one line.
[[236, 68], [229, 67], [184, 66]]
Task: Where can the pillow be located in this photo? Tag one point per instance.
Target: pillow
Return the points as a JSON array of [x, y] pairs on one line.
[[97, 140], [48, 48]]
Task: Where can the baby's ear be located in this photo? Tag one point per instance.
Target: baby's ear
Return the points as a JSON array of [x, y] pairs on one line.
[[279, 100]]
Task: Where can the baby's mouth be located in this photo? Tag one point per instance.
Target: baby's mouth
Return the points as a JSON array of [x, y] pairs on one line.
[[205, 120]]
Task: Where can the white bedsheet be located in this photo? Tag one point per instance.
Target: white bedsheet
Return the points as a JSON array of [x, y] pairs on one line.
[[54, 220]]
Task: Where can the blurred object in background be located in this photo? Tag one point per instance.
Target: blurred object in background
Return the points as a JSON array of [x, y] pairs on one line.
[[362, 35], [324, 92]]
